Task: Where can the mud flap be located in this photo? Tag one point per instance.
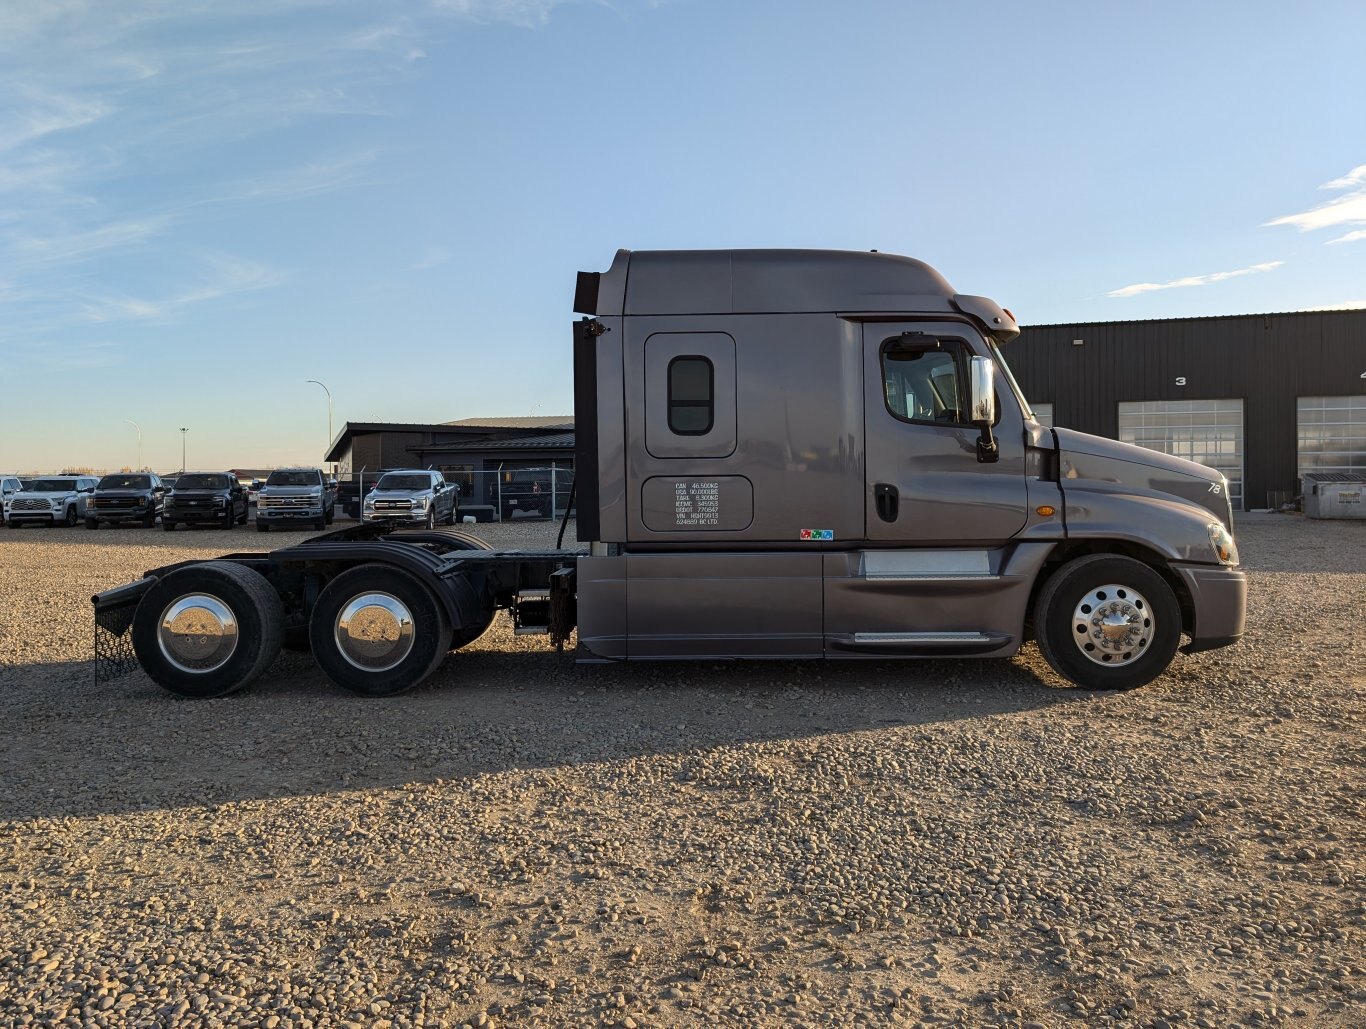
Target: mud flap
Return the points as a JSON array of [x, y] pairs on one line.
[[114, 610]]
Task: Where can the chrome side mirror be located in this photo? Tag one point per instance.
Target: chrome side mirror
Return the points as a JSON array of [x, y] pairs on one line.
[[982, 407]]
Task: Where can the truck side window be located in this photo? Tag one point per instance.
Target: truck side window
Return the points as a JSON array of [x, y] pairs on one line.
[[692, 394], [924, 386]]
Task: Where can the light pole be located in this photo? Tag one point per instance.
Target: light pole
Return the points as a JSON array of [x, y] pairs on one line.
[[329, 412], [183, 431], [139, 428]]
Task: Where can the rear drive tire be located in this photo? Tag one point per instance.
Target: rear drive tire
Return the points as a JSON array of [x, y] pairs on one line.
[[206, 630], [377, 631], [1107, 623]]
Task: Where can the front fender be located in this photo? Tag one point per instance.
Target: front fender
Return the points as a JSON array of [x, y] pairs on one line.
[[1175, 529]]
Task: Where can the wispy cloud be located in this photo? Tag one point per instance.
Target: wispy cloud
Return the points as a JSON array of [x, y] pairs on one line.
[[1193, 280], [219, 275], [65, 247], [430, 258], [1348, 209], [1346, 305], [1355, 177], [526, 13]]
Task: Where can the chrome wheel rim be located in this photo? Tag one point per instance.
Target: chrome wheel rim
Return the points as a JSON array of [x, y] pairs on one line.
[[374, 631], [197, 633], [1113, 625]]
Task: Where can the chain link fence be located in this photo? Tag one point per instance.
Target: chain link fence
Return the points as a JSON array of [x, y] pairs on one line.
[[512, 492]]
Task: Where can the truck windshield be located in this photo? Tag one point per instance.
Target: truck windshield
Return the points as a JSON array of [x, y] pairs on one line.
[[395, 481], [53, 486], [1010, 378], [125, 482], [300, 478], [202, 482]]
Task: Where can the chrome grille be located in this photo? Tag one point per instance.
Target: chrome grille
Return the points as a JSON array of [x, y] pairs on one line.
[[287, 502], [393, 505], [29, 504]]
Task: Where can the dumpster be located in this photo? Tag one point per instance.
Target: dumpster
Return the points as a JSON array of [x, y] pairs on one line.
[[1335, 495]]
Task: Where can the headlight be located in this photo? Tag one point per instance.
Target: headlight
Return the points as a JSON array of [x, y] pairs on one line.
[[420, 501], [219, 501], [57, 504], [1222, 542]]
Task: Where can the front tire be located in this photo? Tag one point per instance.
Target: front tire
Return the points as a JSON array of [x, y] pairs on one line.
[[262, 526], [167, 526], [1108, 623], [206, 630], [92, 523], [72, 517], [377, 631]]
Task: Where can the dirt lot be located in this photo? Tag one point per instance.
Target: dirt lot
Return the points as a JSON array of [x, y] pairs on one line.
[[520, 842]]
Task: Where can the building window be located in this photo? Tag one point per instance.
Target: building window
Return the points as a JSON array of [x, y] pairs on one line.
[[1207, 431], [692, 396], [1331, 434]]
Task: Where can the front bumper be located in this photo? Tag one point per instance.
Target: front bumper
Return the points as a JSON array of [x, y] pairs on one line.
[[193, 515], [288, 514], [394, 517], [41, 517], [1218, 604], [117, 514]]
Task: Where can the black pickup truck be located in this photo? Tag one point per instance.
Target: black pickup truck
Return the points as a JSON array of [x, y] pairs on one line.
[[534, 489]]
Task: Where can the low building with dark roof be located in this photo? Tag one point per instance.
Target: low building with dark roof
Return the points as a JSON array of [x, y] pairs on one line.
[[476, 453]]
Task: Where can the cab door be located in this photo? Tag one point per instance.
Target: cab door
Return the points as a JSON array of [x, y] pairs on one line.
[[925, 484]]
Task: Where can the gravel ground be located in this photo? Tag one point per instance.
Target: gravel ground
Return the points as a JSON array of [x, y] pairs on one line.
[[520, 842]]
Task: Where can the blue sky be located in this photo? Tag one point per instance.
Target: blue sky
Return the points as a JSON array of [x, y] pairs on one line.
[[203, 205]]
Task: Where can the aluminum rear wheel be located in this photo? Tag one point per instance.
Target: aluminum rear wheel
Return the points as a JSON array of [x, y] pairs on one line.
[[207, 629], [377, 630], [197, 633], [374, 631]]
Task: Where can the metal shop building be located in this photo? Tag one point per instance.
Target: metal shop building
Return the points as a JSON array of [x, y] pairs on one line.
[[474, 452], [1264, 398]]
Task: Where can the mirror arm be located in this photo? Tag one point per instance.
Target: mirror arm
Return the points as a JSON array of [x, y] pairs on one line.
[[987, 450]]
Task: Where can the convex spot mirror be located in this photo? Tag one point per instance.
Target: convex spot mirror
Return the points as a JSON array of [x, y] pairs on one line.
[[982, 407]]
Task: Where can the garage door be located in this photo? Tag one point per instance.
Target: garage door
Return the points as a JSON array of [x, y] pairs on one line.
[[1332, 434], [1208, 431]]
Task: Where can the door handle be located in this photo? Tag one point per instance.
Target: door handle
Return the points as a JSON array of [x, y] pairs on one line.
[[887, 500]]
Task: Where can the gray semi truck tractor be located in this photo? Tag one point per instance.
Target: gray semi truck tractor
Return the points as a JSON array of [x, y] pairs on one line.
[[781, 454]]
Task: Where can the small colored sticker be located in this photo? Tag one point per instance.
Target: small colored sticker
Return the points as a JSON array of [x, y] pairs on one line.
[[818, 534]]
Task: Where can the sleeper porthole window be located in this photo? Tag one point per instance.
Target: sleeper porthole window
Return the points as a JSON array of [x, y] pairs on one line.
[[692, 395]]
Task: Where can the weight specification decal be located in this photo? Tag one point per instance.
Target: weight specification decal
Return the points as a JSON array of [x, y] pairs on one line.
[[710, 503], [697, 503]]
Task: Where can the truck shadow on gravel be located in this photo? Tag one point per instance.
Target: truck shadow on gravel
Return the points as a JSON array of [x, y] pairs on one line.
[[70, 747]]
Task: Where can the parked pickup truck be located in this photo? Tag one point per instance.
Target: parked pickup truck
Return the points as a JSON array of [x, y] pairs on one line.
[[792, 454], [51, 500], [534, 490], [412, 497], [295, 496], [205, 498], [124, 497]]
